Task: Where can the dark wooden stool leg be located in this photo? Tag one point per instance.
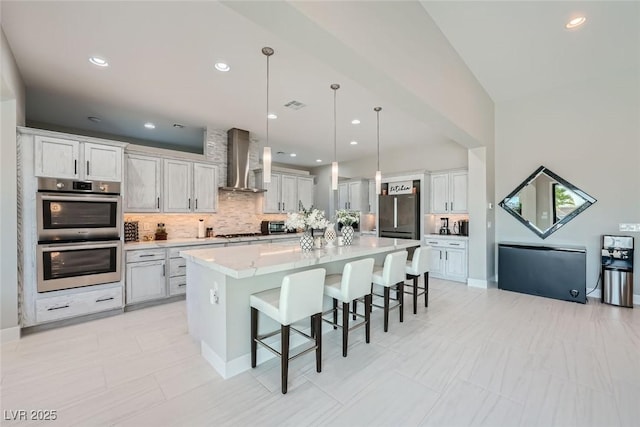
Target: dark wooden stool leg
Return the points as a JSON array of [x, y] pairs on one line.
[[367, 317], [386, 308], [319, 342], [335, 313], [284, 357], [254, 335], [401, 299], [426, 289], [415, 293], [355, 308], [345, 327], [312, 329]]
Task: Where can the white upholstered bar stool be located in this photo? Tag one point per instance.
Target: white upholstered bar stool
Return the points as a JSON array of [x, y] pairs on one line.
[[417, 266], [300, 296], [391, 275], [352, 284]]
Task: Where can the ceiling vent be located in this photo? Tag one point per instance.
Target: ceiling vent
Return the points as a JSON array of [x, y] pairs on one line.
[[294, 105]]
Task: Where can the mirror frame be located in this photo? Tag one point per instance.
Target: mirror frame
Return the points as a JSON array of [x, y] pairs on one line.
[[543, 234]]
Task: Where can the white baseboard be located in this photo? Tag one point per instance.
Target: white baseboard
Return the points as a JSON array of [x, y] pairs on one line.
[[9, 334], [478, 283]]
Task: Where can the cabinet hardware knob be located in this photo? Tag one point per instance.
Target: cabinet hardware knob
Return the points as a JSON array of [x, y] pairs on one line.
[[158, 202], [104, 299], [182, 284], [58, 308], [75, 167], [88, 167]]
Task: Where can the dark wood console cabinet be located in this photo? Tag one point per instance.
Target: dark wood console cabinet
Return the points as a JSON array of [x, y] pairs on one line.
[[553, 272]]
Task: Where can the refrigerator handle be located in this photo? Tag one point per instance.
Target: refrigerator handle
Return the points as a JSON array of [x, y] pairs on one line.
[[395, 212]]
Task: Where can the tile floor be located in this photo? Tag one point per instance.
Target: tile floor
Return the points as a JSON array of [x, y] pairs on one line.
[[474, 357]]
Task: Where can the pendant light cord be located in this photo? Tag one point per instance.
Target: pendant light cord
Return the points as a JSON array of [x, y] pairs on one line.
[[335, 132], [378, 133], [267, 101]]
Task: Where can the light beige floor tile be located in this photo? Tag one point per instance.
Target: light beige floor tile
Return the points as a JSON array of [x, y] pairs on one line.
[[392, 399], [627, 407], [186, 375], [465, 404]]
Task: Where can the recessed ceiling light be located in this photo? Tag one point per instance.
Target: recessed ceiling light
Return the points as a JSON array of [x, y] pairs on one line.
[[293, 154], [272, 116], [575, 22], [100, 62], [149, 125], [355, 122], [354, 142], [94, 119], [222, 66], [319, 160]]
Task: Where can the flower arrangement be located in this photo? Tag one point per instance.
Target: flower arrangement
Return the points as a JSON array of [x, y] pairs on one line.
[[347, 217], [306, 219]]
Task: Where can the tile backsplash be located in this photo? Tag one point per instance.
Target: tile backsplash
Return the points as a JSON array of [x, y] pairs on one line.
[[236, 213]]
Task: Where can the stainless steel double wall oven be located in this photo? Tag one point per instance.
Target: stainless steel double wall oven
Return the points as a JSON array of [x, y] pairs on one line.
[[79, 225]]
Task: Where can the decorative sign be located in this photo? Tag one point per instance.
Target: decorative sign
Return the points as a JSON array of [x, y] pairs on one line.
[[401, 187]]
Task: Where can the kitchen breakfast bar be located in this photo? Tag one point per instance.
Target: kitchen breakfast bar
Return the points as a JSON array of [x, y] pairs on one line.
[[220, 281]]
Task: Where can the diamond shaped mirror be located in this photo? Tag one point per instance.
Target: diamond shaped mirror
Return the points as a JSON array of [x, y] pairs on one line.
[[544, 202]]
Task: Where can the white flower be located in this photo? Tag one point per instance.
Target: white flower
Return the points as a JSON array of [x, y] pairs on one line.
[[306, 219], [347, 217]]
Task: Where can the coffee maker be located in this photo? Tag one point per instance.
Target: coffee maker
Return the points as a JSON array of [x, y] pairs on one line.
[[444, 226]]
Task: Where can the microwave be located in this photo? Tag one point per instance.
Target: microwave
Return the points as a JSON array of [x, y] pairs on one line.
[[272, 227]]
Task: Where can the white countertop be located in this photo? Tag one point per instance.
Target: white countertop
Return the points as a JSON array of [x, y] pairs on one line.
[[446, 236], [254, 260], [190, 241]]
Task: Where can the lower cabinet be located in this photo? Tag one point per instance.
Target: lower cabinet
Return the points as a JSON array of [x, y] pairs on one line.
[[78, 304], [448, 258], [146, 275]]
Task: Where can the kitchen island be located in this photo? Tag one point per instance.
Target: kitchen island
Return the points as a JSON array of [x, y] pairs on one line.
[[220, 281]]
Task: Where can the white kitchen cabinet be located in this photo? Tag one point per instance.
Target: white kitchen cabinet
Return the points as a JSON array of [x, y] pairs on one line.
[[178, 182], [285, 192], [145, 275], [78, 304], [102, 162], [205, 187], [67, 158], [354, 195], [143, 183], [449, 192], [305, 191], [448, 258], [373, 196]]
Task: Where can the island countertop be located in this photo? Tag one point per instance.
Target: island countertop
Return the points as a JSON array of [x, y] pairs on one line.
[[255, 260]]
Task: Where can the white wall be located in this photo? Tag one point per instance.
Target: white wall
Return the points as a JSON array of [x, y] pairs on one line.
[[589, 134], [12, 113]]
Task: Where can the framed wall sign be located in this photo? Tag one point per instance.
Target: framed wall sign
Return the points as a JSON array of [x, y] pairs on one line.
[[400, 187]]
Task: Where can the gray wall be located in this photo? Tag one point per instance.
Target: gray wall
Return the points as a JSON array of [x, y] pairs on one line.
[[12, 113], [589, 134]]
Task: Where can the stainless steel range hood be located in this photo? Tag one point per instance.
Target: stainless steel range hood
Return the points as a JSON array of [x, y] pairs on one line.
[[238, 162]]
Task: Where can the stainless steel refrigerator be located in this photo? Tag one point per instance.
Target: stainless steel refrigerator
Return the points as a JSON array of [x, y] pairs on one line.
[[399, 216]]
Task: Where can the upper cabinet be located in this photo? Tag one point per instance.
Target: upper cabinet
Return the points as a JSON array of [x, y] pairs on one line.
[[354, 195], [67, 158], [285, 192], [168, 185], [142, 183], [449, 192]]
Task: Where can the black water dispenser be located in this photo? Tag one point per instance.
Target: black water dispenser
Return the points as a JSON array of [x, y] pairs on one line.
[[617, 270]]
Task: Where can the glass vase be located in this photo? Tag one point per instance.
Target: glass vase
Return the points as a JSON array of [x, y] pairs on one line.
[[330, 235]]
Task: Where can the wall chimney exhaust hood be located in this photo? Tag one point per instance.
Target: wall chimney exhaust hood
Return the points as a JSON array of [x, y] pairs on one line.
[[238, 162]]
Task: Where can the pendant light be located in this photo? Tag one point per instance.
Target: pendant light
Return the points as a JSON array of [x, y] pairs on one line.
[[378, 172], [266, 152], [334, 164]]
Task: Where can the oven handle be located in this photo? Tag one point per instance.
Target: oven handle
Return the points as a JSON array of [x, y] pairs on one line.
[[83, 198], [83, 245]]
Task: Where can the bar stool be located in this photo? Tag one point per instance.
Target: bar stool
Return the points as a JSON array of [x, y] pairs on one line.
[[352, 284], [391, 275], [300, 296], [419, 265]]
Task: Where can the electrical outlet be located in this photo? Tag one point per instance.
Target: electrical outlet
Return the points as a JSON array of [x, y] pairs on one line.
[[213, 296]]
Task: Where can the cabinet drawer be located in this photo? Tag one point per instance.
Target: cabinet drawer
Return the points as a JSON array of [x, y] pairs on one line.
[[177, 267], [447, 243], [146, 255], [177, 285], [55, 308], [460, 244]]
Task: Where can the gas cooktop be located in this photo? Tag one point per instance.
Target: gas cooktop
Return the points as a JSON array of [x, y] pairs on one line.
[[231, 236]]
